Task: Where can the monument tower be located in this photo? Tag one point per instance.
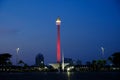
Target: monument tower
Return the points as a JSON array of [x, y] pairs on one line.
[[59, 65], [58, 22]]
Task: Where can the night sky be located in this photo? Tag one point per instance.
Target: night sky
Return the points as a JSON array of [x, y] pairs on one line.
[[87, 25]]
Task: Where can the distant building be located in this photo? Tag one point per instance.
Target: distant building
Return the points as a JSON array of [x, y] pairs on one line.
[[39, 60], [78, 62]]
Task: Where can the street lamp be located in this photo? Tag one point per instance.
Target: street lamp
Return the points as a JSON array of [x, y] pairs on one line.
[[102, 51], [17, 50]]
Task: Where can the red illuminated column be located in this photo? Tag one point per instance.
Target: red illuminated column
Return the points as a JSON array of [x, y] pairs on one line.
[[58, 44], [58, 40]]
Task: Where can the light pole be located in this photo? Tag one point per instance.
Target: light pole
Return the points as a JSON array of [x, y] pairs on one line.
[[63, 64], [102, 49], [17, 50]]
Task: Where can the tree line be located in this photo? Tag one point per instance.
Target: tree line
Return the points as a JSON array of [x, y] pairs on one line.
[[114, 59]]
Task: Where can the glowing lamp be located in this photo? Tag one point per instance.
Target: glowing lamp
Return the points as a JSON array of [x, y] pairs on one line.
[[58, 21]]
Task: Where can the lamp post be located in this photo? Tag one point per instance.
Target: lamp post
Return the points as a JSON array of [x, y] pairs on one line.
[[17, 50], [102, 49], [63, 65]]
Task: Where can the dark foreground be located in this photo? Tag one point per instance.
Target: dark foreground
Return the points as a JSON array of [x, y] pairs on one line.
[[60, 76]]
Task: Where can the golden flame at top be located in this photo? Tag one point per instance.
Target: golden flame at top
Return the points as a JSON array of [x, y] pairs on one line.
[[58, 21]]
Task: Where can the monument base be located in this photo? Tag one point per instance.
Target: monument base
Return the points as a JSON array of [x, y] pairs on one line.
[[58, 65]]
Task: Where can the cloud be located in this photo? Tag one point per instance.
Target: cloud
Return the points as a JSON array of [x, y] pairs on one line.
[[8, 31]]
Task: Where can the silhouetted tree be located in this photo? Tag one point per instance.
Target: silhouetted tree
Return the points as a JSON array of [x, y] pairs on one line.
[[21, 62], [94, 64], [5, 59], [101, 64], [26, 65], [9, 63], [115, 59]]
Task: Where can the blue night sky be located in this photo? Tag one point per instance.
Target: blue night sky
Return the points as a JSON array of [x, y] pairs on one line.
[[87, 25]]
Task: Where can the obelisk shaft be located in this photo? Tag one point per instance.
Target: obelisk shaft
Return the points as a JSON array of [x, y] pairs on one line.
[[58, 44]]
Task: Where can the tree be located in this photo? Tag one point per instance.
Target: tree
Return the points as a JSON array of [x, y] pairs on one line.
[[115, 59], [94, 64], [5, 59], [98, 64], [21, 62], [101, 64]]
